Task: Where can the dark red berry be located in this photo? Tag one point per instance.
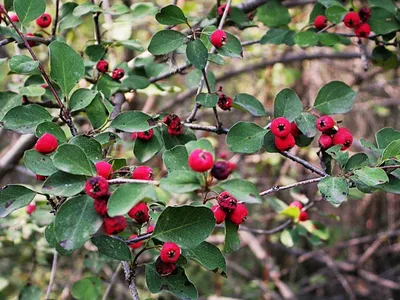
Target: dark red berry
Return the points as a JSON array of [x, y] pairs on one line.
[[218, 38], [325, 123], [114, 225], [286, 143], [280, 127], [325, 141], [164, 269], [47, 143], [104, 169], [221, 170], [102, 66], [140, 213], [363, 30], [227, 201], [224, 102], [174, 124], [96, 187], [31, 207], [200, 160], [343, 137], [297, 204], [44, 20], [352, 19], [238, 216], [170, 252], [177, 130], [303, 216], [219, 214], [143, 173], [117, 74], [221, 9], [294, 130], [136, 245], [145, 135], [41, 178], [31, 43], [100, 206], [320, 22], [365, 14]]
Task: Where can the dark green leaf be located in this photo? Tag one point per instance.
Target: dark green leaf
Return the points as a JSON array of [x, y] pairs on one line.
[[22, 64], [335, 97], [112, 247], [96, 112], [232, 241], [335, 13], [385, 136], [80, 99], [145, 150], [242, 190], [180, 182], [176, 159], [107, 85], [13, 197], [95, 52], [334, 189], [389, 5], [273, 14], [86, 8], [32, 91], [384, 58], [165, 41], [245, 137], [287, 104], [171, 15], [29, 10], [91, 147], [170, 141], [232, 48], [357, 161], [8, 100], [392, 186], [202, 143], [340, 156], [306, 123], [72, 159], [329, 3], [133, 121], [306, 39], [197, 54], [371, 176], [278, 36], [86, 289], [53, 129], [392, 151], [207, 100], [30, 292], [269, 143], [38, 163], [329, 39], [64, 184], [383, 21], [136, 82], [250, 104]]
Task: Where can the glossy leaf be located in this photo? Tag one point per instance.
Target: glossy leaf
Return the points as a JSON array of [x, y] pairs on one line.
[[39, 163], [245, 137], [334, 189], [29, 10], [64, 184], [112, 247], [72, 159], [13, 197], [287, 104], [165, 41], [249, 103]]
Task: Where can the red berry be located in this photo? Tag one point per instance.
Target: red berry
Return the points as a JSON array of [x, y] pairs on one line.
[[303, 216], [104, 169], [102, 66], [143, 173], [280, 127], [47, 143], [224, 102], [44, 20], [352, 19], [150, 228], [145, 135], [137, 244], [140, 213], [239, 214], [117, 74], [96, 187], [41, 178], [294, 130], [14, 18], [325, 141], [343, 137], [297, 204], [178, 130], [363, 30], [365, 14], [286, 143], [219, 214], [134, 136], [223, 155], [30, 208], [114, 225], [227, 201], [320, 22], [200, 160], [31, 43], [221, 170], [174, 124], [221, 9], [170, 252], [232, 165], [100, 206], [218, 38], [164, 269], [325, 123]]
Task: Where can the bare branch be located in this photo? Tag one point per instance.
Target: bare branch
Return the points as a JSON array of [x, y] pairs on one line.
[[52, 274]]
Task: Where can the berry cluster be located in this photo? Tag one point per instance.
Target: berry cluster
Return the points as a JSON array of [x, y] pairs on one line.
[[116, 74], [285, 133], [174, 124], [332, 135], [303, 216], [229, 207], [169, 255]]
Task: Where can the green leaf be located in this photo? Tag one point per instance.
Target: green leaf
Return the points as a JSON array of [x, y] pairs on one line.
[[145, 150], [8, 100], [317, 10], [287, 238], [39, 163], [96, 112], [245, 137], [202, 143], [72, 159], [90, 147], [383, 21], [180, 182], [392, 151], [329, 39], [67, 19], [273, 14], [197, 54], [107, 138], [357, 161], [127, 196], [389, 5], [209, 256], [371, 176], [385, 136], [133, 121], [165, 41], [242, 190], [80, 99], [278, 36], [75, 222], [392, 186], [86, 8], [340, 156], [66, 66], [306, 39], [13, 197], [207, 100], [112, 247], [64, 184], [232, 241], [233, 48], [269, 143], [107, 85], [171, 15], [32, 91], [335, 97], [249, 103], [53, 129], [276, 204], [384, 58], [176, 159], [334, 189], [177, 283], [335, 13], [170, 141], [25, 118], [216, 59], [306, 123], [22, 64], [287, 104], [29, 10], [95, 52], [186, 225], [329, 3], [136, 82], [87, 288], [30, 292]]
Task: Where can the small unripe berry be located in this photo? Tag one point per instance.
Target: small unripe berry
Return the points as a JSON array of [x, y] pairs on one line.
[[136, 245], [96, 187], [104, 169], [365, 14], [224, 102], [47, 143], [297, 204], [227, 201], [221, 9], [303, 216], [325, 123], [164, 269], [140, 213], [200, 160], [294, 130], [14, 18], [145, 135], [320, 22], [286, 143], [100, 206], [325, 141], [170, 252], [117, 74], [143, 173], [352, 19], [343, 137], [31, 207], [221, 170], [280, 127], [238, 216], [218, 38], [40, 177], [44, 20], [219, 214], [363, 30], [102, 66], [114, 225]]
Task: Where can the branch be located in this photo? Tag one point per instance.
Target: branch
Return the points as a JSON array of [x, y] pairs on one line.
[[251, 5], [54, 30], [207, 128], [52, 274], [125, 180], [130, 279], [278, 188], [112, 281], [35, 39], [304, 163]]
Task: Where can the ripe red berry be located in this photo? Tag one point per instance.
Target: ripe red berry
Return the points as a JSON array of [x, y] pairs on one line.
[[134, 136], [102, 66], [114, 225], [218, 38], [221, 9], [363, 30], [145, 135], [286, 143], [31, 207], [343, 137], [232, 165], [200, 160], [294, 130], [143, 173], [320, 22], [150, 228], [177, 130], [303, 216], [297, 204], [238, 216], [117, 74], [325, 123], [31, 43], [219, 214], [325, 141], [224, 102], [47, 143], [174, 124], [365, 14], [227, 201], [221, 170], [96, 187], [164, 269], [100, 206], [14, 18], [137, 244], [170, 252], [104, 169], [140, 213], [40, 177], [44, 20], [352, 19], [280, 127]]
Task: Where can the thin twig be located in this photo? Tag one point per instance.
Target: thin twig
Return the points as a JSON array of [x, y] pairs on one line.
[[112, 281], [278, 188], [130, 279], [125, 180], [97, 32], [52, 274], [304, 163], [55, 23]]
